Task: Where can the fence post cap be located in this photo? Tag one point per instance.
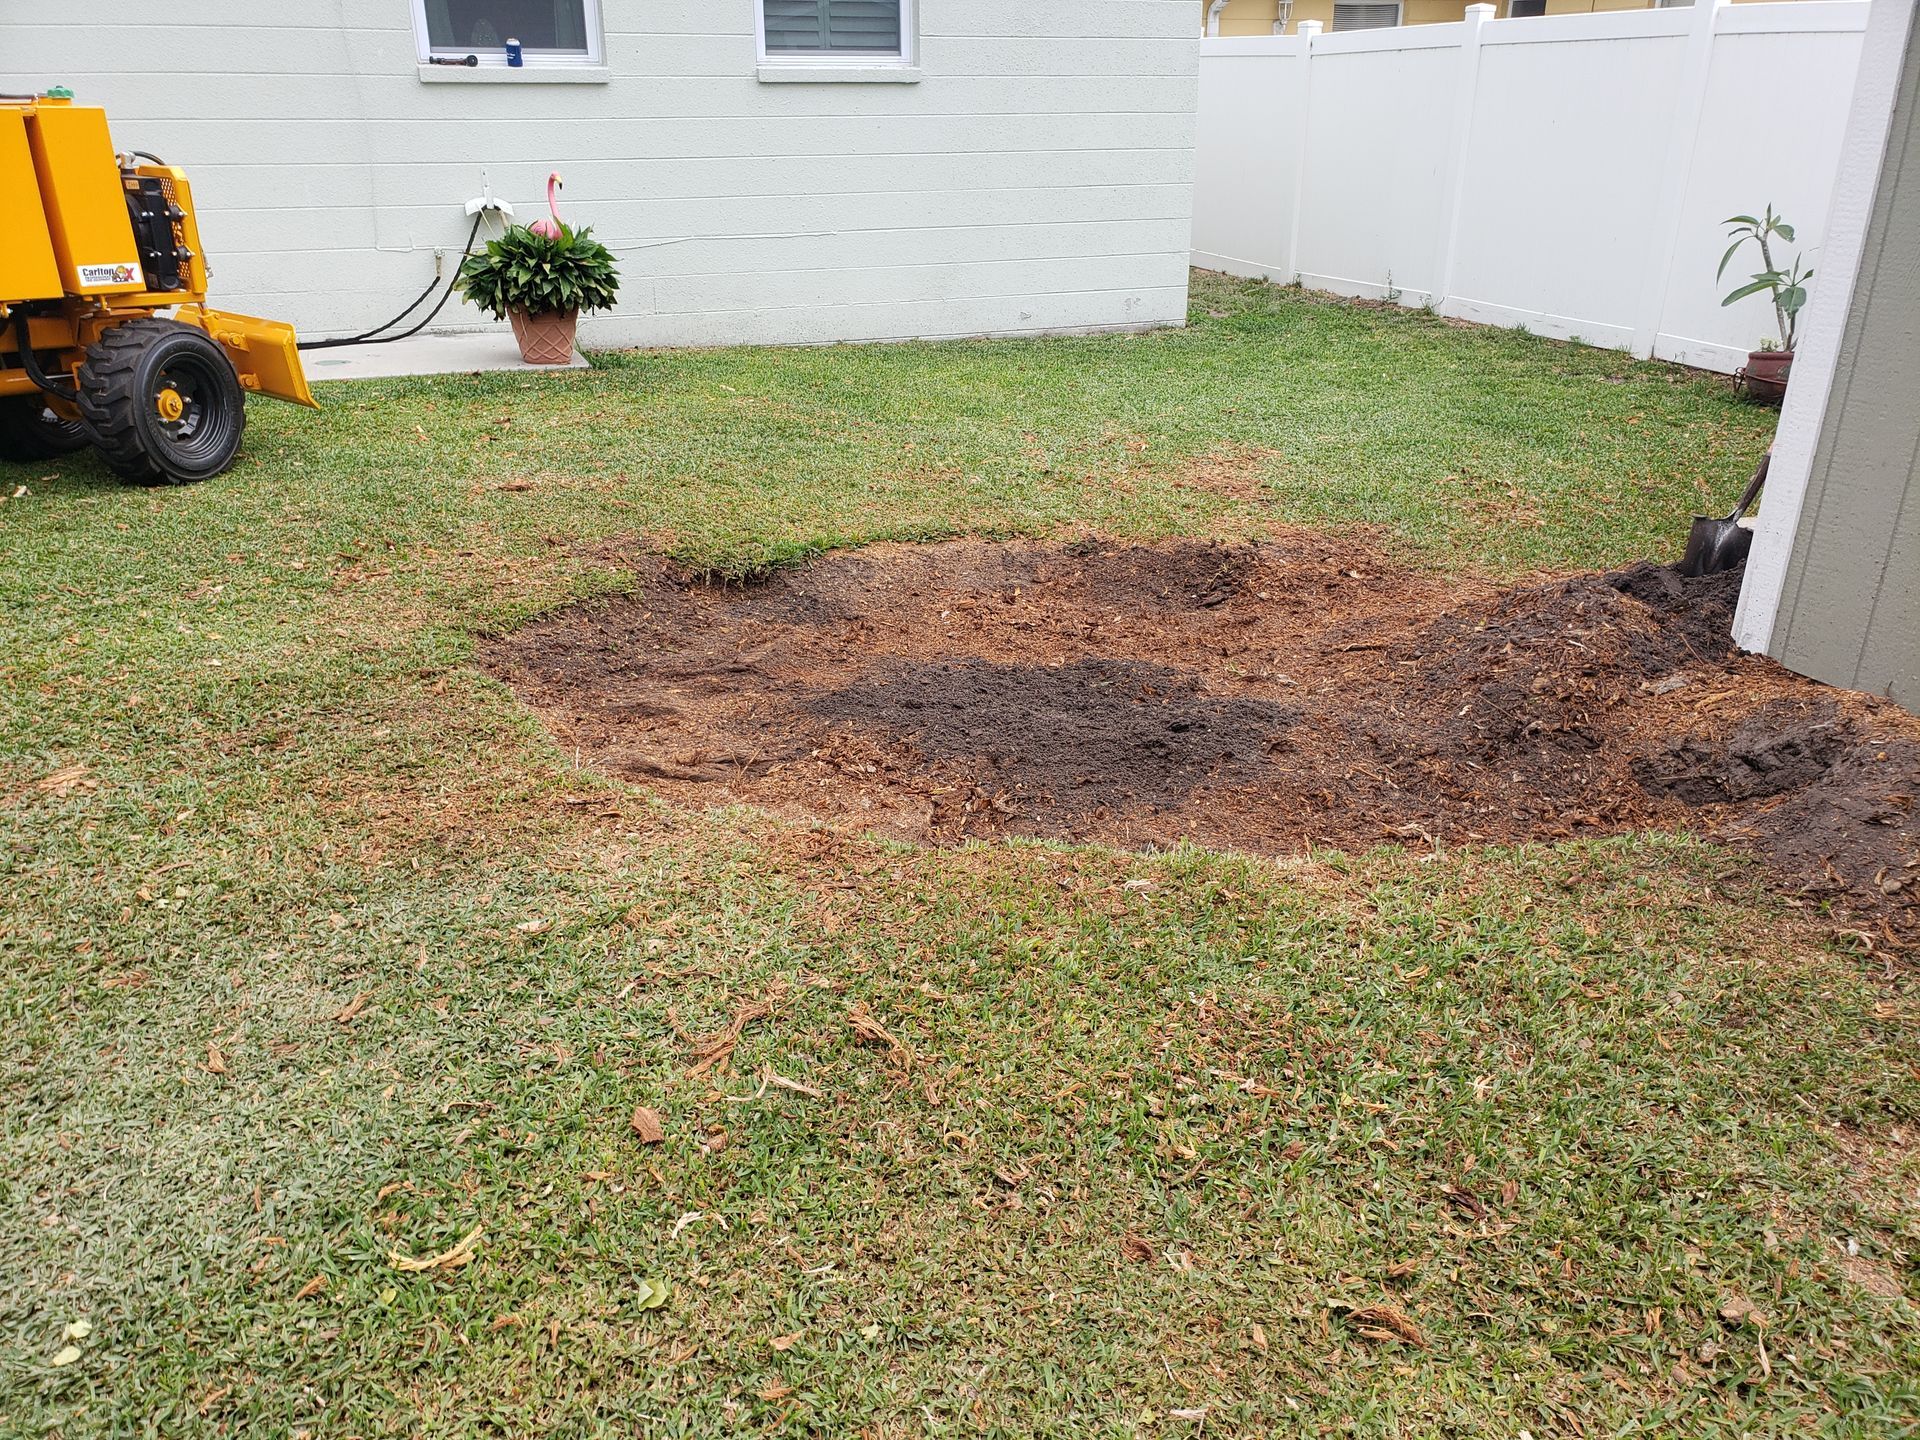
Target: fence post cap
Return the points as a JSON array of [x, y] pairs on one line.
[[1476, 14], [1308, 28]]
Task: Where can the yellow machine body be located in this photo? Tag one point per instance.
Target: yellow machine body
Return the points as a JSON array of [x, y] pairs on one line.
[[72, 256], [27, 267], [84, 200]]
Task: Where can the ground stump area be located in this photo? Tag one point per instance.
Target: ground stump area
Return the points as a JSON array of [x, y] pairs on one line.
[[1269, 697]]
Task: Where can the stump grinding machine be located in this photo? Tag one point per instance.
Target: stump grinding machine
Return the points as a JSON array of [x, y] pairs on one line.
[[97, 246]]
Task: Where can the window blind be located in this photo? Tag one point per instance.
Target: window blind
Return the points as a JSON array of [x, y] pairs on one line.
[[848, 26], [1358, 15]]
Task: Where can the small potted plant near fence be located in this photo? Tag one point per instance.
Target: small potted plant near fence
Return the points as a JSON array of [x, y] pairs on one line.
[[1768, 368], [540, 277]]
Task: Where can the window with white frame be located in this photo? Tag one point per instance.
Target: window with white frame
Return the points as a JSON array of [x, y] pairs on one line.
[[815, 32], [548, 32], [1365, 14]]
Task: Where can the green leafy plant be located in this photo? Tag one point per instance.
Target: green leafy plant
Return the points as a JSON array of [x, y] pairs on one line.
[[525, 271], [1788, 287]]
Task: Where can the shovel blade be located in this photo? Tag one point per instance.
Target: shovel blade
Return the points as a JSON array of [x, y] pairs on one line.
[[1715, 545]]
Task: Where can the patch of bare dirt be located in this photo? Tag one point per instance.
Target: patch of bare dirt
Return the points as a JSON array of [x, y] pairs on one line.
[[1263, 696], [1233, 472], [1877, 1251]]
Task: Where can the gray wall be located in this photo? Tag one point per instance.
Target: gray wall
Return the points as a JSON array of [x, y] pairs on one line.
[[1039, 177], [1850, 609]]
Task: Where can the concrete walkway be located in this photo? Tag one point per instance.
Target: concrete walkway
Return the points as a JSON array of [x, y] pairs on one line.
[[425, 355]]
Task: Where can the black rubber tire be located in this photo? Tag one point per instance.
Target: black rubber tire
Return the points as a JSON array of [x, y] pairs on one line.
[[122, 385], [30, 431]]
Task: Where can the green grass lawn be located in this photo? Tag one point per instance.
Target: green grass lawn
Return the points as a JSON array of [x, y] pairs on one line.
[[316, 951]]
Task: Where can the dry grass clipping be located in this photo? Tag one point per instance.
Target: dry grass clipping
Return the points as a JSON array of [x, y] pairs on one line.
[[1381, 1323], [869, 1031], [452, 1259]]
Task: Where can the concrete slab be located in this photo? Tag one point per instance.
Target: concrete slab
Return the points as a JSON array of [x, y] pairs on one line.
[[456, 354]]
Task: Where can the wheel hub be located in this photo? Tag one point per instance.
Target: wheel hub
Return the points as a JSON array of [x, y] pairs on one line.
[[169, 404]]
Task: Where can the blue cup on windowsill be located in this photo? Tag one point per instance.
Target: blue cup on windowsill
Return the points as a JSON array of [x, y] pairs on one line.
[[514, 57]]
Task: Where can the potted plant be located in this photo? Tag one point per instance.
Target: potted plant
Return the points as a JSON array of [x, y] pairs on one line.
[[540, 277], [1768, 368]]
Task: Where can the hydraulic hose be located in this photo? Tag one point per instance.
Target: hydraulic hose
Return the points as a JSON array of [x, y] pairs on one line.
[[375, 335], [30, 362]]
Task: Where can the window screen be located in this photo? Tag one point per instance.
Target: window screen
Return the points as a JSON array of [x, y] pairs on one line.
[[1523, 9], [1358, 15], [840, 27], [474, 25]]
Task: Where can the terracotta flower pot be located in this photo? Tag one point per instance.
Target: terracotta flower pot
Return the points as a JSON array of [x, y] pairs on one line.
[[1765, 375], [545, 339]]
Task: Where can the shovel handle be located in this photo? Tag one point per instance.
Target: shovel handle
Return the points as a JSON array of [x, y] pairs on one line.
[[1753, 485]]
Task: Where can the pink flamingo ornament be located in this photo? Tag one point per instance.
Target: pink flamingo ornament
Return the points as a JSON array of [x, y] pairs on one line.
[[543, 227]]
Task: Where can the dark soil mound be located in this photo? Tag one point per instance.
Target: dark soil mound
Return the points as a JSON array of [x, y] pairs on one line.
[[1263, 697], [1696, 612], [1851, 836], [1784, 745], [1530, 672], [1078, 740], [1841, 811]]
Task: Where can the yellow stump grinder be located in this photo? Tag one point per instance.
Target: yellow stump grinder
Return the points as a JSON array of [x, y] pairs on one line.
[[96, 247]]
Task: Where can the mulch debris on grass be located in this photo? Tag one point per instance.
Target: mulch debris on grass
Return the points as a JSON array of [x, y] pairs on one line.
[[1266, 697]]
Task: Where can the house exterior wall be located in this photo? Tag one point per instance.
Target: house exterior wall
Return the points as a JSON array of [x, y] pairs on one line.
[[1849, 609], [1038, 177], [1255, 17]]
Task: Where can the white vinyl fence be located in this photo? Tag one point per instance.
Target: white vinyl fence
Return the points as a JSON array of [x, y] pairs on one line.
[[1566, 173]]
